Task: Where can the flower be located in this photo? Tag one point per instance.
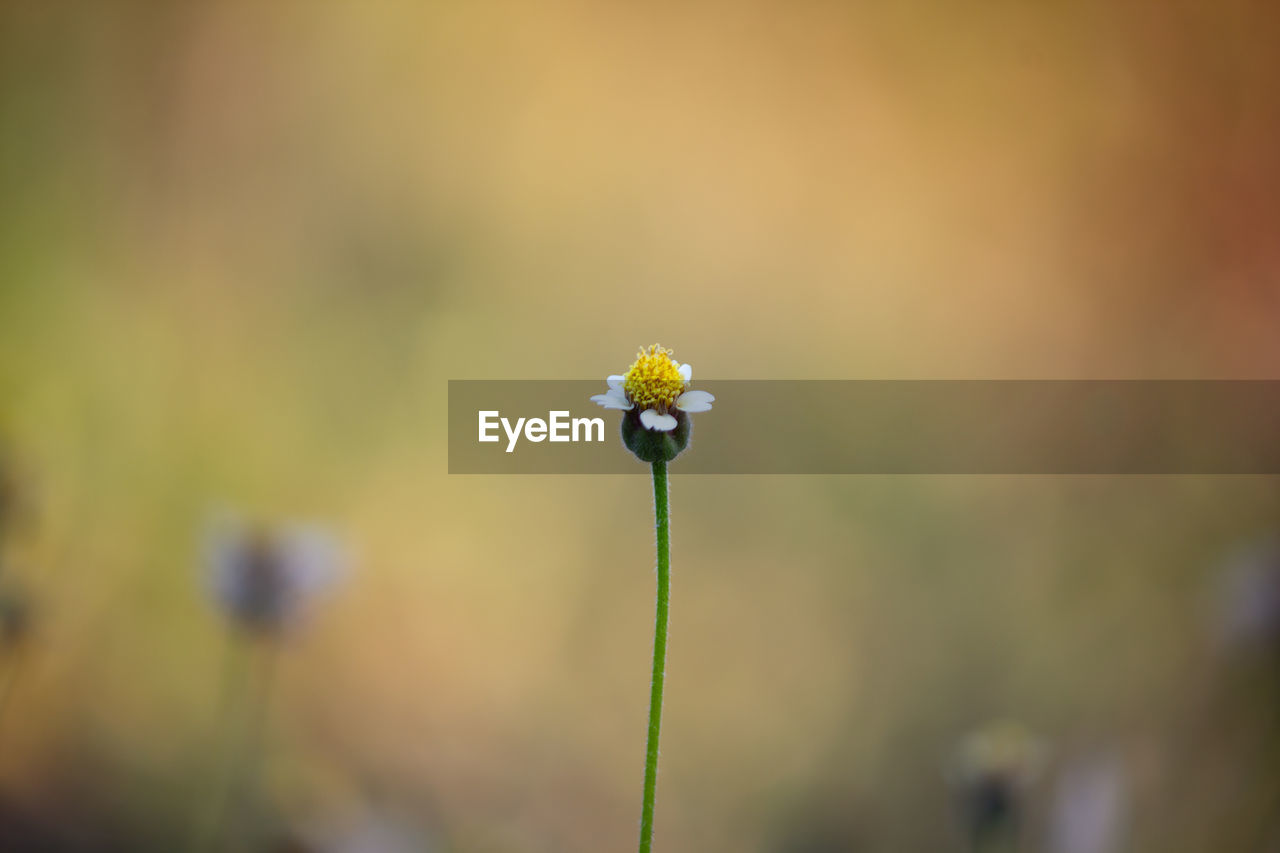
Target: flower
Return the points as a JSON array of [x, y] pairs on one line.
[[991, 772], [264, 576], [1248, 612], [657, 387], [1091, 805]]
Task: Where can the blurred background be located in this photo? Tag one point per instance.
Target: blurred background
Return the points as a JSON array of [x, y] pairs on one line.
[[243, 246]]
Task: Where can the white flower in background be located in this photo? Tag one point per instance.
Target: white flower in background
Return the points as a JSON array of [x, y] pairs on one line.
[[657, 386], [1003, 748], [991, 771], [264, 576], [350, 827], [1248, 598], [1090, 812]]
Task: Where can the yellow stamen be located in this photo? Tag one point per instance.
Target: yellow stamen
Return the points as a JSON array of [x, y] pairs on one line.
[[654, 380]]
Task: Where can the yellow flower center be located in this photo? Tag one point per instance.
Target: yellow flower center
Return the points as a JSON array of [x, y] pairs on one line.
[[653, 381]]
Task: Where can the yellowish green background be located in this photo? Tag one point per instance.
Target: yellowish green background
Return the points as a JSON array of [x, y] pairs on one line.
[[243, 247]]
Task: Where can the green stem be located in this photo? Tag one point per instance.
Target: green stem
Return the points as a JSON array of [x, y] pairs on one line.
[[662, 516], [244, 703]]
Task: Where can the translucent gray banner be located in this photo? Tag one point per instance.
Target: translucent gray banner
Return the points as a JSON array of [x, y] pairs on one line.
[[885, 427]]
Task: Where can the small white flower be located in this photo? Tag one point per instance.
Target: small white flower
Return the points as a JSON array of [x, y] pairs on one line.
[[1091, 806], [657, 385], [1248, 613], [264, 577], [992, 772]]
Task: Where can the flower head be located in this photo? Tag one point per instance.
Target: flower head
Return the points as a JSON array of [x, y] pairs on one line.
[[655, 385], [654, 392], [264, 576], [991, 770]]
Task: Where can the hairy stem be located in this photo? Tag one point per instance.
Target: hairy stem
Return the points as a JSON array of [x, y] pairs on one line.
[[662, 518]]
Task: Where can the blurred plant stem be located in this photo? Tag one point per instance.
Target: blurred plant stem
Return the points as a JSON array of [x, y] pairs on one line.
[[11, 670], [246, 689], [662, 517], [993, 842], [15, 621]]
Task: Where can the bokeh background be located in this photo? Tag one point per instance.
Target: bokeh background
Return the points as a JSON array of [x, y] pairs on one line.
[[243, 246]]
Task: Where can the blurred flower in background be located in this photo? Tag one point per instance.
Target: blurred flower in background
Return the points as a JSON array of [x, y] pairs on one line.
[[1089, 812], [1225, 742], [265, 576], [1247, 613], [361, 830], [991, 773]]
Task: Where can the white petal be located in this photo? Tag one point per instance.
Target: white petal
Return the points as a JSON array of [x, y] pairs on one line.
[[611, 401], [615, 382], [686, 371], [695, 401], [663, 423], [310, 558], [615, 400]]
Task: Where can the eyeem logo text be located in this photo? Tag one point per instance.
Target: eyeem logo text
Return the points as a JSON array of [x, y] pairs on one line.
[[557, 427]]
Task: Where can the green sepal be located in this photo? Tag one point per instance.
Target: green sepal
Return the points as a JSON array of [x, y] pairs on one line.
[[651, 445]]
